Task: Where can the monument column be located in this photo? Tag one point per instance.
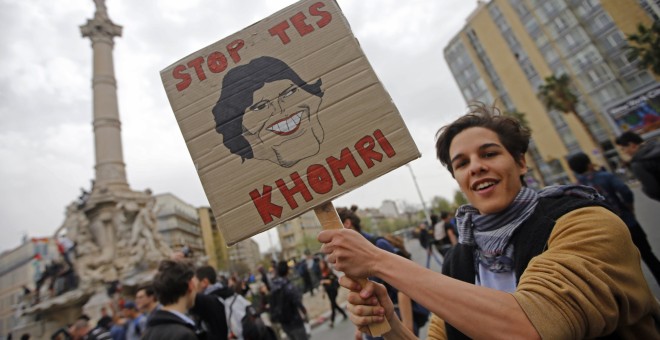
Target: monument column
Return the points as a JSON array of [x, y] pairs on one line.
[[110, 167]]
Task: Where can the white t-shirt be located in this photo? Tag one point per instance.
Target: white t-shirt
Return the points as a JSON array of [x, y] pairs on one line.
[[439, 231]]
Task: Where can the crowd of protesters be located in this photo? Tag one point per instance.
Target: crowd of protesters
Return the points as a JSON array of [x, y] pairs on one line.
[[187, 302]]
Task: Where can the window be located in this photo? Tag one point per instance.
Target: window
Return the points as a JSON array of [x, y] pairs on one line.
[[613, 40], [584, 58], [600, 23], [549, 54], [637, 80], [609, 93]]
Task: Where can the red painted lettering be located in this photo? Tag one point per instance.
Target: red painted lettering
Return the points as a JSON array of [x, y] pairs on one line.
[[178, 73], [197, 65], [319, 179], [298, 21], [326, 17], [264, 206], [279, 30], [298, 188], [384, 143], [217, 62], [346, 159], [365, 148], [233, 48]]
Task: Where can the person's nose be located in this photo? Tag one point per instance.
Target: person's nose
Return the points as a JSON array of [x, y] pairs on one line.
[[279, 106], [477, 166]]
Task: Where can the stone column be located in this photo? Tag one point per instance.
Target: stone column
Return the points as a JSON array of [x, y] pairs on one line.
[[110, 167]]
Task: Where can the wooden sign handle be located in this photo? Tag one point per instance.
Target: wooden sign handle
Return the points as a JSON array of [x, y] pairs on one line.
[[329, 219]]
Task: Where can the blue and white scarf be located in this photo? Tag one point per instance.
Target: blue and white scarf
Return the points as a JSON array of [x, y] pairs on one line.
[[492, 233]]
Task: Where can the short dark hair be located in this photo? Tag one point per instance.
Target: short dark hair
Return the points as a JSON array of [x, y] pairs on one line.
[[579, 163], [148, 289], [513, 135], [207, 272], [282, 269], [444, 215], [629, 137], [350, 214], [171, 280], [105, 322], [238, 86], [434, 219]]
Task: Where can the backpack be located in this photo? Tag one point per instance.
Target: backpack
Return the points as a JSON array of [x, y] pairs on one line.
[[281, 306], [254, 327], [235, 311]]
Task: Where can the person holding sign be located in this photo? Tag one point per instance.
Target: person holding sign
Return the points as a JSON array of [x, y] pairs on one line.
[[266, 111], [554, 264]]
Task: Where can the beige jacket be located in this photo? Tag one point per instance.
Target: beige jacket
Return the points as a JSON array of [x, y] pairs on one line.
[[588, 283]]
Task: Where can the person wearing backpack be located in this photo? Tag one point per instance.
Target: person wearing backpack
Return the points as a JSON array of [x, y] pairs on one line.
[[644, 162], [209, 309], [620, 198], [404, 306], [286, 307]]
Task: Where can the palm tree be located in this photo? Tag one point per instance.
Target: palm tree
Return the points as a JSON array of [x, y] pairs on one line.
[[519, 116], [644, 45], [557, 94]]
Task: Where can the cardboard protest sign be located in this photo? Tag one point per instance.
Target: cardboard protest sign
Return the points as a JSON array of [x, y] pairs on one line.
[[284, 116]]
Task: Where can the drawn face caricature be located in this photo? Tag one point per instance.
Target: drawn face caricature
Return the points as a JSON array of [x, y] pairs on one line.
[[266, 111], [282, 125]]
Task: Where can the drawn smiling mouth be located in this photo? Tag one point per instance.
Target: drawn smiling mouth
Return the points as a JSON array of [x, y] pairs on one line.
[[286, 126]]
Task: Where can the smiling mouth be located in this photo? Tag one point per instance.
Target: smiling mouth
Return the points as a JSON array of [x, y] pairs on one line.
[[483, 185], [286, 126]]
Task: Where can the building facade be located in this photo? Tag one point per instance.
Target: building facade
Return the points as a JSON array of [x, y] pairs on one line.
[[22, 267], [508, 47], [179, 224], [297, 234], [245, 252]]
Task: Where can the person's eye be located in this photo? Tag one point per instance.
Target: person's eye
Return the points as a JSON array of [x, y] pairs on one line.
[[289, 92], [259, 106], [459, 164], [490, 154]]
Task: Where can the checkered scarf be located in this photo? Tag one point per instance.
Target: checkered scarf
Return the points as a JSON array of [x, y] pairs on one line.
[[491, 233]]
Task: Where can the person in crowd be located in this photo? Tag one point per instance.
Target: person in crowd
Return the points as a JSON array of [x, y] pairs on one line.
[[330, 284], [352, 221], [25, 336], [175, 285], [147, 303], [79, 329], [286, 307], [553, 264], [264, 277], [133, 320], [209, 308], [443, 234], [102, 329], [620, 198], [306, 275], [645, 161], [313, 268]]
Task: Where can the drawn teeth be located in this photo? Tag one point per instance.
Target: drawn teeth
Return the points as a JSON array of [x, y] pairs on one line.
[[288, 124]]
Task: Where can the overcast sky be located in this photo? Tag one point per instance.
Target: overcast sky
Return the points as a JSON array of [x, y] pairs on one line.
[[46, 141]]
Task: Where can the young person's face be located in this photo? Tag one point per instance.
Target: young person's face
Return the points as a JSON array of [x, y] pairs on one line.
[[486, 172], [630, 149], [142, 300], [282, 123]]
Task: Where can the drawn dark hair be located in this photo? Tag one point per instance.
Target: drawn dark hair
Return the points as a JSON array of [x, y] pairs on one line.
[[238, 86]]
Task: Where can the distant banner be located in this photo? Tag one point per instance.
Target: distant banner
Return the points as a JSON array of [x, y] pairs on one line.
[[639, 113]]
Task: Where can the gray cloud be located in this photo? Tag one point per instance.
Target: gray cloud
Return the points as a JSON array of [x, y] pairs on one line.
[[46, 143]]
